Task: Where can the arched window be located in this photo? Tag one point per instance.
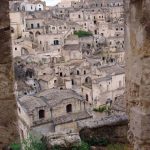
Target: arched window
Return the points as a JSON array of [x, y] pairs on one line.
[[69, 108], [78, 72], [84, 72], [41, 114], [88, 80]]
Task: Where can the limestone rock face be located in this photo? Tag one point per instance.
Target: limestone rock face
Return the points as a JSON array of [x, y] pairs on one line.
[[62, 139], [138, 72]]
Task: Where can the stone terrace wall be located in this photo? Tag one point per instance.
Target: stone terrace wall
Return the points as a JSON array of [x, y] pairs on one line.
[[114, 128], [138, 72], [8, 130]]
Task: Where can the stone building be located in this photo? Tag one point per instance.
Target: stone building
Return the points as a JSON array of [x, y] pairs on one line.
[[79, 49], [51, 111]]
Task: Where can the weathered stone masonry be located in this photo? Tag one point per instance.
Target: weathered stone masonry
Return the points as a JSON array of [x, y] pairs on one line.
[[138, 72], [8, 130]]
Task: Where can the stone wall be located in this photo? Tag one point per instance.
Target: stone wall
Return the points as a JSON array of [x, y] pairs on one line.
[[138, 72], [113, 128], [8, 132]]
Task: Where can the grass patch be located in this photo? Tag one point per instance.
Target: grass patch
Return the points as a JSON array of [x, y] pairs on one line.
[[82, 146], [81, 33], [100, 109]]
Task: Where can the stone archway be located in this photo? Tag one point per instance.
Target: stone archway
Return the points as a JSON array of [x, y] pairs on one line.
[[37, 33]]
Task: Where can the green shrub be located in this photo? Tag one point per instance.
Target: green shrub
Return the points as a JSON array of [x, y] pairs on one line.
[[32, 143], [15, 146], [81, 33], [101, 109], [82, 146]]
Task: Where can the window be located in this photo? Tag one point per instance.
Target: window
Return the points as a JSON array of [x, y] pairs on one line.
[[116, 29], [78, 73], [79, 16], [31, 7], [69, 108], [38, 25], [56, 42], [87, 97], [32, 26], [95, 31], [61, 74], [84, 72], [15, 48], [55, 81], [41, 114], [72, 81]]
